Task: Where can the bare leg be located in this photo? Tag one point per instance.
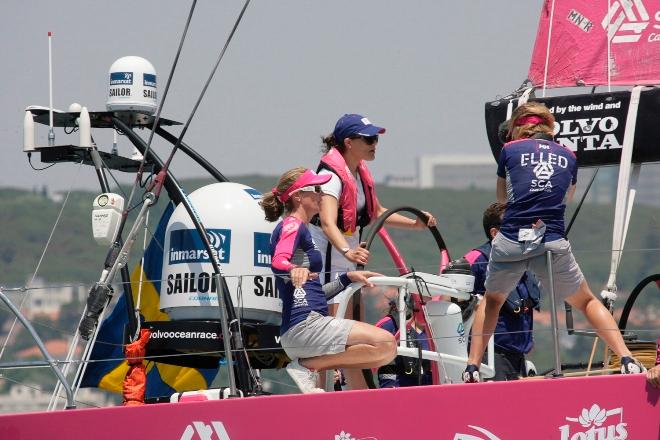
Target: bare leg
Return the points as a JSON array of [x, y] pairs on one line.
[[599, 318], [367, 347], [485, 321]]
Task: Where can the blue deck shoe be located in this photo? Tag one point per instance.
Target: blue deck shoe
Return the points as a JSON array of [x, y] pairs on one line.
[[471, 374]]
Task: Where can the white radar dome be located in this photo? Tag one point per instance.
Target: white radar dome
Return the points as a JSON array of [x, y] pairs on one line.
[[132, 86], [241, 236]]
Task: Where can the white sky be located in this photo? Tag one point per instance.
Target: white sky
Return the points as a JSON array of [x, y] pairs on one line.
[[422, 69]]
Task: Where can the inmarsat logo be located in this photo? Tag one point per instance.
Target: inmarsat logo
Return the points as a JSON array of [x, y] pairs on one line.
[[625, 21], [149, 80], [487, 434], [262, 249], [117, 78], [202, 431], [186, 246], [595, 420]]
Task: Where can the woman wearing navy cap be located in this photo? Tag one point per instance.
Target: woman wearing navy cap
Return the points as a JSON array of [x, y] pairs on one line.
[[349, 203], [312, 339]]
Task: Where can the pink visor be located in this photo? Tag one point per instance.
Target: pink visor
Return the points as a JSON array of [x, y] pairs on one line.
[[530, 120], [308, 178]]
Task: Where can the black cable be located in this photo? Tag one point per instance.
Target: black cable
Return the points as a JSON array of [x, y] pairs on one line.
[[623, 321], [29, 155], [73, 129], [203, 92], [584, 196], [138, 176]]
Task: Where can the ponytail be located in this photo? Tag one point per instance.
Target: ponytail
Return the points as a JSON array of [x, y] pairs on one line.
[[329, 142], [271, 203], [272, 206]]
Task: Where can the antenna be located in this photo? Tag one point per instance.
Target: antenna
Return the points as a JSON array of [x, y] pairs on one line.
[[115, 150], [84, 126], [51, 132]]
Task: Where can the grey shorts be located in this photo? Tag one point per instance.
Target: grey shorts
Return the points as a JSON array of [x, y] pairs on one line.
[[507, 264], [315, 336]]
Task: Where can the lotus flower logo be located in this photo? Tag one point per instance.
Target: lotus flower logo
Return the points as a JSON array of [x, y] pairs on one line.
[[595, 416], [347, 436], [593, 422]]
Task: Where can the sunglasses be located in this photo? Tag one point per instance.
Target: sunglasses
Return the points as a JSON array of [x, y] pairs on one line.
[[316, 188], [369, 140]]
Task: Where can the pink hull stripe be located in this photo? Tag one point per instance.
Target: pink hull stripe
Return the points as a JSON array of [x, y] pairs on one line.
[[544, 409]]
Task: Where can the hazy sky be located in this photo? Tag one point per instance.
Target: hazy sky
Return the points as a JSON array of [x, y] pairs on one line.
[[422, 69]]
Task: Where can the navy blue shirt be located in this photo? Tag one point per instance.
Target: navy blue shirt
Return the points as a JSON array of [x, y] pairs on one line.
[[538, 174], [406, 380], [291, 246], [514, 330]]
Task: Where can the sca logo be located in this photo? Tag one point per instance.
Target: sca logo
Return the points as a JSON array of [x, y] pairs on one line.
[[262, 249], [121, 78], [593, 424], [186, 246], [460, 330], [625, 21]]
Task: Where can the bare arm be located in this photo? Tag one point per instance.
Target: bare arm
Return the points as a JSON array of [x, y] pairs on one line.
[[501, 190], [570, 193]]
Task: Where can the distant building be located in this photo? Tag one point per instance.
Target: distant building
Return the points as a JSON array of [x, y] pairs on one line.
[[456, 171], [26, 398], [466, 171], [44, 300], [401, 181]]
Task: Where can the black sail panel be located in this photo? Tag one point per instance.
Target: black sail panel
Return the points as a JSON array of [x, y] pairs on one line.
[[593, 125]]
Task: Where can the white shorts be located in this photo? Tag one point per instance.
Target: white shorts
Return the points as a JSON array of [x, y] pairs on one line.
[[507, 263], [316, 335]]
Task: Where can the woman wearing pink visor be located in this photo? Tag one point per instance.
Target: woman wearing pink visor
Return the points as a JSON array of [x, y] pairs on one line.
[[312, 339]]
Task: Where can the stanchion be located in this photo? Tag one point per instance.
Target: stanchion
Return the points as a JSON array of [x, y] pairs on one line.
[[553, 316]]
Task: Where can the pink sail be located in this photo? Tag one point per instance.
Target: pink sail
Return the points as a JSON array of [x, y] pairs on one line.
[[579, 33]]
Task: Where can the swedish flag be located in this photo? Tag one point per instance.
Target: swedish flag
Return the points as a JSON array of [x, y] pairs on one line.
[[162, 379]]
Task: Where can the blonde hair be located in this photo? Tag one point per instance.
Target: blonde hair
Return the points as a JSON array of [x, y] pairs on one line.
[[271, 204], [528, 130]]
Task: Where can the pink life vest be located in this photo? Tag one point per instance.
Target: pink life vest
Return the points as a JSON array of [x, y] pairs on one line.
[[334, 161]]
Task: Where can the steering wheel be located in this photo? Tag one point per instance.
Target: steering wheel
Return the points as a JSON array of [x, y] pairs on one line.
[[377, 228]]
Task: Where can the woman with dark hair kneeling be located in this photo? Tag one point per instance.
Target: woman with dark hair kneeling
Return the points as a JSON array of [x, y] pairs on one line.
[[312, 339]]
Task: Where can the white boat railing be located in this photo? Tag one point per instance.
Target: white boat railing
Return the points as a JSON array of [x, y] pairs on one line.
[[434, 286]]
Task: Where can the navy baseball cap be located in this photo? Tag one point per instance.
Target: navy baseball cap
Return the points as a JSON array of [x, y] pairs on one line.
[[354, 125]]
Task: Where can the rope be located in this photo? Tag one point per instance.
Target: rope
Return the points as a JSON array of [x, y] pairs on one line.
[[547, 51], [609, 46], [644, 351], [138, 302]]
